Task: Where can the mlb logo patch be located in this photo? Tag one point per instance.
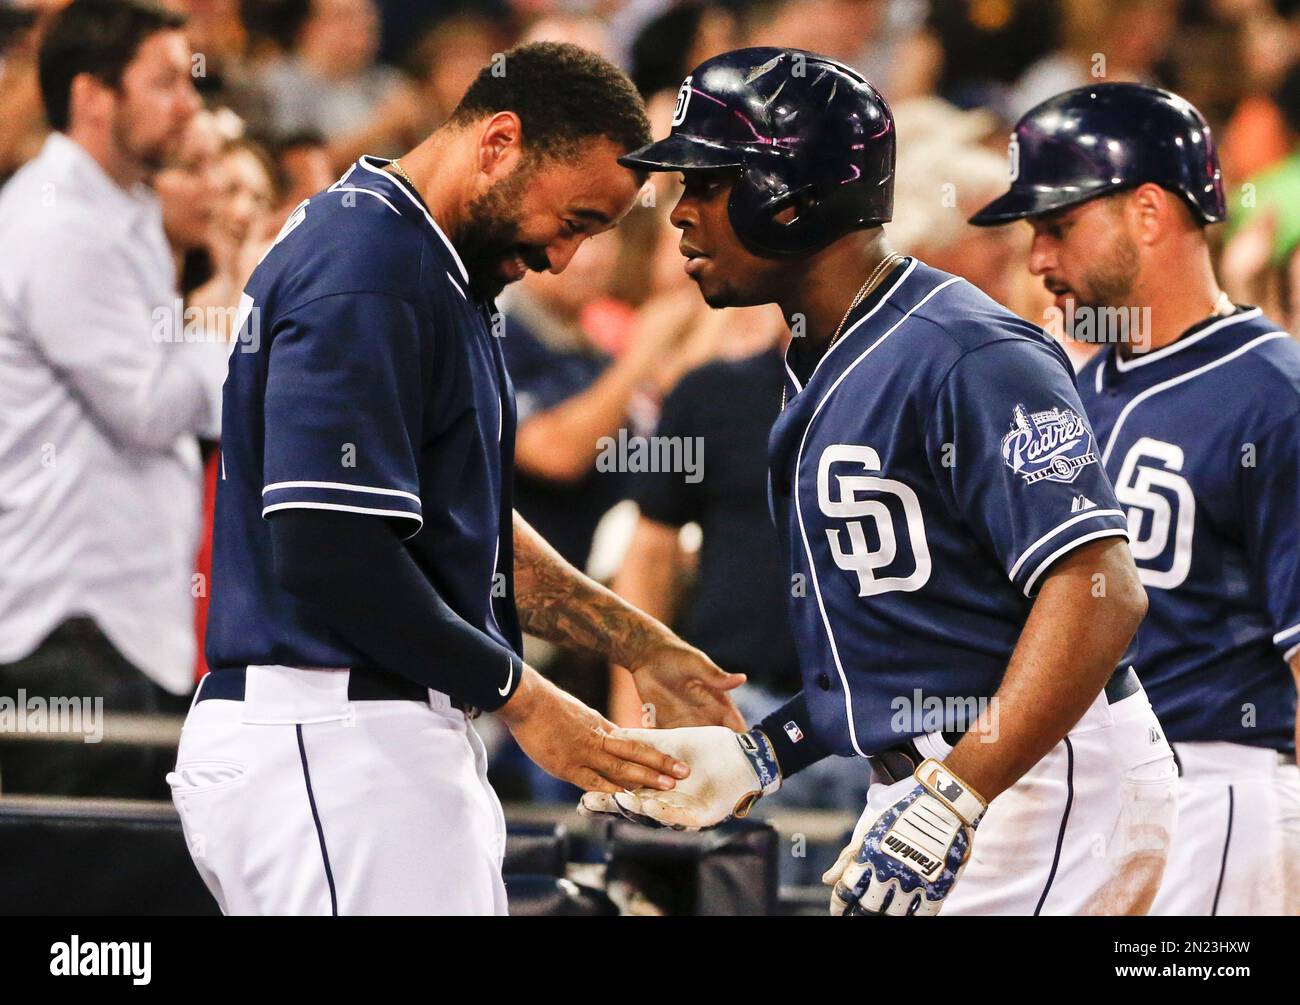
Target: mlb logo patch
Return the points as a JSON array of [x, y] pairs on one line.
[[947, 786], [793, 731]]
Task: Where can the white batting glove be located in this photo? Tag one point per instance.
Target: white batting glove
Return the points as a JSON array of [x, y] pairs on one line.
[[730, 772], [907, 853]]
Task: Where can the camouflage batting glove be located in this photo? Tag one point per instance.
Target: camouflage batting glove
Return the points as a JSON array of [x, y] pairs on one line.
[[905, 857]]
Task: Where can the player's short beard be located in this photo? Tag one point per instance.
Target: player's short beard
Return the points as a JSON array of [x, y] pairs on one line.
[[724, 293], [1109, 281], [491, 234]]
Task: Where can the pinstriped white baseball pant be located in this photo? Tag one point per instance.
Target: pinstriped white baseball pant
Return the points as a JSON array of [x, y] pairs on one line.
[[297, 801], [1237, 850], [1086, 831]]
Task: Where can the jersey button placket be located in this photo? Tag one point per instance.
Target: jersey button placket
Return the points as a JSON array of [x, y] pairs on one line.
[[824, 681]]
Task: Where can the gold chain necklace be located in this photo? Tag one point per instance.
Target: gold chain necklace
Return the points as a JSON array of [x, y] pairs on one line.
[[396, 165], [864, 291]]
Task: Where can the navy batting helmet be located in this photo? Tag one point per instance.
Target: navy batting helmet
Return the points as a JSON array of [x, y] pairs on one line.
[[1095, 140], [801, 130]]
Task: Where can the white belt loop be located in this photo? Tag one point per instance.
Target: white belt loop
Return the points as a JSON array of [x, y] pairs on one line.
[[275, 695], [439, 702]]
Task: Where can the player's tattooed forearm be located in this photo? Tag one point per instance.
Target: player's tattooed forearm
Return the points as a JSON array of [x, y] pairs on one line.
[[583, 622], [558, 603]]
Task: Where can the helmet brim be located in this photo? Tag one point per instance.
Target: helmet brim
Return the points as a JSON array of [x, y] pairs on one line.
[[680, 152], [1030, 201]]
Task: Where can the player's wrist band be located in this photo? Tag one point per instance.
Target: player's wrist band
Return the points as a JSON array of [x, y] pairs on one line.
[[788, 729], [939, 780], [762, 758]]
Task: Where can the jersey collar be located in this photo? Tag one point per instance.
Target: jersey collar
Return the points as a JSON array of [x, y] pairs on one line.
[[1114, 367], [865, 311], [408, 198]]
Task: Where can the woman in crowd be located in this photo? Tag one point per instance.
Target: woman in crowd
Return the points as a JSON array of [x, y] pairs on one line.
[[190, 189], [218, 200]]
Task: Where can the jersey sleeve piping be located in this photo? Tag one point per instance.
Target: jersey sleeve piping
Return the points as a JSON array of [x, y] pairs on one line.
[[1053, 536], [1067, 547], [372, 500]]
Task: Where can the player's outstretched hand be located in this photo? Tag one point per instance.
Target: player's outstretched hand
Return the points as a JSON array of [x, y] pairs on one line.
[[572, 742], [683, 687], [909, 847], [729, 772]]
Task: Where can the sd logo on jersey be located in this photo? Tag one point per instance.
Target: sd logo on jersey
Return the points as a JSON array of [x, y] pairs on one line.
[[1054, 445], [845, 492]]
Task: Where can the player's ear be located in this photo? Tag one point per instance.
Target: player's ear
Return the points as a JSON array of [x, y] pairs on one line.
[[501, 144], [1151, 207]]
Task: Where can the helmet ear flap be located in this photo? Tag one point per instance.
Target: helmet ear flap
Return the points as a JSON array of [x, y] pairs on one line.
[[770, 222], [776, 224], [790, 210]]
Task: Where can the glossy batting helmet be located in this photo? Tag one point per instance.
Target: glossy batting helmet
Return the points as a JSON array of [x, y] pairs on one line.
[[802, 131], [1095, 140]]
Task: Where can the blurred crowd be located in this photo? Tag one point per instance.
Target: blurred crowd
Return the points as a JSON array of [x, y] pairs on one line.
[[287, 93]]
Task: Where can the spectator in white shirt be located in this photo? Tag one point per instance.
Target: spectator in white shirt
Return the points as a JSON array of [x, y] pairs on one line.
[[99, 406]]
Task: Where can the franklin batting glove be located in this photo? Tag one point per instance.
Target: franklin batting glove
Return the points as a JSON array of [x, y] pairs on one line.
[[906, 858]]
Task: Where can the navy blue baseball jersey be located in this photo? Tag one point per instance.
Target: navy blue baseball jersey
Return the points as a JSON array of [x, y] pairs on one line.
[[924, 480], [372, 385], [1202, 441]]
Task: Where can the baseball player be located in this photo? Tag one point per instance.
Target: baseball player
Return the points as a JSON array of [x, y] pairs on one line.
[[367, 564], [961, 589], [1196, 407]]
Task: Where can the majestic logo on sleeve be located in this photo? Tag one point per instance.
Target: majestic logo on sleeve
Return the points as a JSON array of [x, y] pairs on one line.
[[1054, 445]]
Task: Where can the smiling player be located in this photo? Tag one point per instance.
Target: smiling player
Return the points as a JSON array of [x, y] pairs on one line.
[[369, 578]]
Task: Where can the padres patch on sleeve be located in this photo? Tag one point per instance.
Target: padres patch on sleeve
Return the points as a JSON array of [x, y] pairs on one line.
[[1052, 445]]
